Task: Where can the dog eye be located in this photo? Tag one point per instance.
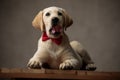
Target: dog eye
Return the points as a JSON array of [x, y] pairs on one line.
[[48, 14], [59, 13]]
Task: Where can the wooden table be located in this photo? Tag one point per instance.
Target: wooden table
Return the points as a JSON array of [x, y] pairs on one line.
[[57, 74]]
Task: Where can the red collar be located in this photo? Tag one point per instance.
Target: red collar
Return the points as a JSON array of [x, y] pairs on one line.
[[58, 41]]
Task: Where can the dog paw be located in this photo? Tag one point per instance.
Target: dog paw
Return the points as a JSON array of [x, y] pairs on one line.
[[34, 63], [67, 65], [91, 67]]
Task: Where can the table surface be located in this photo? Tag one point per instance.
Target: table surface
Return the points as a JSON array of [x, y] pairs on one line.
[[57, 74]]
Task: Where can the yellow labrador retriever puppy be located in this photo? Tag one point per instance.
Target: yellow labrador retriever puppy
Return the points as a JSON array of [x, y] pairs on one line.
[[54, 49]]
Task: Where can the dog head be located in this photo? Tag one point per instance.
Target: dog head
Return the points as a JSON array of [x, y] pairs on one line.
[[53, 21]]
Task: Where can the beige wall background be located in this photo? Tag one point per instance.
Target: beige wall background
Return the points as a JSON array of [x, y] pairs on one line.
[[96, 26]]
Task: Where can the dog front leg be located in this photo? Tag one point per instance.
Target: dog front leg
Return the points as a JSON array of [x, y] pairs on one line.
[[35, 63], [69, 64], [37, 60]]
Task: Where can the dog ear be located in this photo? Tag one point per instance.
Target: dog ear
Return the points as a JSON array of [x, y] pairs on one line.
[[38, 21], [67, 20]]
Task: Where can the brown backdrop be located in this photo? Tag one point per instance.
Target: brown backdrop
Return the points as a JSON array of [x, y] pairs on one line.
[[96, 26]]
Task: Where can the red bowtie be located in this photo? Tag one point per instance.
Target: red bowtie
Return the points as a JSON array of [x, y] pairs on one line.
[[55, 40]]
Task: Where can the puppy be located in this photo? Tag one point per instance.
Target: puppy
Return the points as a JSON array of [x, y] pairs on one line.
[[55, 51]]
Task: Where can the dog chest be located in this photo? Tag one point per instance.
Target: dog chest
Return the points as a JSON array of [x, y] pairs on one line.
[[53, 49]]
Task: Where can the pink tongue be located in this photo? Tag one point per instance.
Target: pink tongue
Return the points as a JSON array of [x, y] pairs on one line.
[[56, 29]]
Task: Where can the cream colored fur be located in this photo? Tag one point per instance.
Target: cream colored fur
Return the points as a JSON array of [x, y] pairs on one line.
[[64, 56]]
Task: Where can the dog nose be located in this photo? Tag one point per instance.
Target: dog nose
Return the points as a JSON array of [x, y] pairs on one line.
[[55, 21]]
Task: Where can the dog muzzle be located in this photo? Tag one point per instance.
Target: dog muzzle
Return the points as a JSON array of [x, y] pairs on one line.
[[56, 30]]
